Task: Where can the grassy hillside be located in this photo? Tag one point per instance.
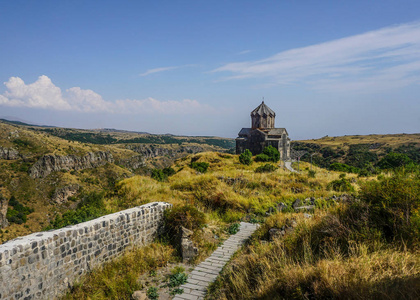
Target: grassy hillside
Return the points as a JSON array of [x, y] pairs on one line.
[[36, 195], [364, 153], [368, 244], [363, 227]]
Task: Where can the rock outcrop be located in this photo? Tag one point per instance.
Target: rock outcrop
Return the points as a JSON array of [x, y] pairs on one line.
[[3, 211], [50, 163], [152, 151], [62, 195], [186, 247], [133, 162], [9, 153]]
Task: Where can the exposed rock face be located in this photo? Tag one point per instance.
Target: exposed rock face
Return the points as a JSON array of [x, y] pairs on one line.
[[50, 163], [62, 195], [8, 153], [186, 246], [3, 211], [133, 162], [152, 151]]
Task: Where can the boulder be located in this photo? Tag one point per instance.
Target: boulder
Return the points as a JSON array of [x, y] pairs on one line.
[[275, 233], [61, 195], [139, 295], [9, 153], [296, 203], [186, 246]]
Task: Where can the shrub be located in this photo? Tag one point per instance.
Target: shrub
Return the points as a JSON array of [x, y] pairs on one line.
[[200, 166], [266, 168], [168, 171], [272, 153], [343, 168], [341, 185], [158, 175], [233, 228], [91, 207], [395, 204], [162, 175], [187, 216], [269, 154], [17, 214], [246, 157], [262, 157], [311, 173], [152, 293], [394, 160]]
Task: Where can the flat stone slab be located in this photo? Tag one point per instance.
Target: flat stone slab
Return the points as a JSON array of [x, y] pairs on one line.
[[208, 270]]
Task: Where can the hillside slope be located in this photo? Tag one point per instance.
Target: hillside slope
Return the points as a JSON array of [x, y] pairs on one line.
[[43, 175], [359, 151]]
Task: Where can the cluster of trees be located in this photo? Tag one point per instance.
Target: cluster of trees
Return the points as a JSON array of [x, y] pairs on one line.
[[269, 154], [359, 159]]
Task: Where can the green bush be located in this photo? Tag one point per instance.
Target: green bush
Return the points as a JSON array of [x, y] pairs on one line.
[[152, 293], [266, 168], [158, 175], [311, 173], [91, 207], [339, 167], [395, 204], [341, 185], [233, 228], [162, 175], [200, 166], [269, 154], [262, 158], [246, 157], [187, 216], [394, 160], [17, 212]]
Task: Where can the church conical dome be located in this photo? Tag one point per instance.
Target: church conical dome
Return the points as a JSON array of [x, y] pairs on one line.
[[263, 109], [263, 117]]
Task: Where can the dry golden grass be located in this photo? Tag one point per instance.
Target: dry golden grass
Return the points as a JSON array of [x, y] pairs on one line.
[[119, 279], [295, 268]]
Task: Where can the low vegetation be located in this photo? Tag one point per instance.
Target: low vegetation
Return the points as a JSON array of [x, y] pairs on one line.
[[119, 279], [363, 245], [363, 249]]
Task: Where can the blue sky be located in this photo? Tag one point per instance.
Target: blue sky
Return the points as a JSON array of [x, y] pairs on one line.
[[200, 67]]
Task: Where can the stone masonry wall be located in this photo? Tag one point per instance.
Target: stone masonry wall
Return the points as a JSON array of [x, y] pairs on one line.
[[44, 265]]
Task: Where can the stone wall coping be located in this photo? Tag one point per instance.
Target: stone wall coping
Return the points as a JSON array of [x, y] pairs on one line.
[[45, 235]]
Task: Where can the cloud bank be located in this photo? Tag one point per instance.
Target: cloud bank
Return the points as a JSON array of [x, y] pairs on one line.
[[384, 58], [43, 94]]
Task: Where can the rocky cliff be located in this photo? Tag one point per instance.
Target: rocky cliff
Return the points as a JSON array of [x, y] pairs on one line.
[[9, 153], [133, 162], [153, 151], [50, 163]]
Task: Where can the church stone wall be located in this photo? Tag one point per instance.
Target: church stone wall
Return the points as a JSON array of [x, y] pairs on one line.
[[44, 265]]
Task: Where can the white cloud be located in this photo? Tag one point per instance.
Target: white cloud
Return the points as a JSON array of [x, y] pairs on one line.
[[157, 70], [45, 95], [387, 57], [163, 69], [40, 94]]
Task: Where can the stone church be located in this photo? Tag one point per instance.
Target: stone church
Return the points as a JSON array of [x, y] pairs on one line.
[[263, 134]]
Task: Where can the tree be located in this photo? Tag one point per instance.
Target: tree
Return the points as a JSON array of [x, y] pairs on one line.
[[246, 157], [269, 154], [394, 160]]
